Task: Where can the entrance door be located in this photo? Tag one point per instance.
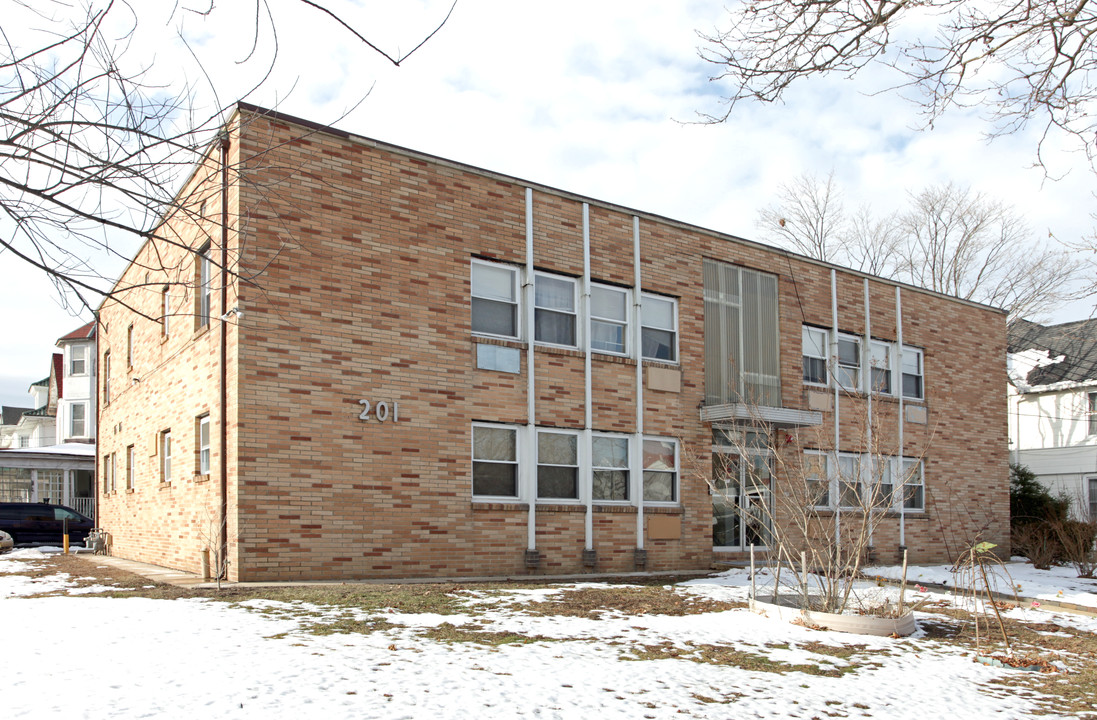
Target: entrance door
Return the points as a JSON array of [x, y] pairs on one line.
[[742, 499]]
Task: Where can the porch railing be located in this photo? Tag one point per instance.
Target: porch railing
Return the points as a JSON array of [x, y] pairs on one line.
[[83, 505]]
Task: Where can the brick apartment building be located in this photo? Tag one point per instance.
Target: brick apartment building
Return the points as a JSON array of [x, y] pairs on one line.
[[363, 361]]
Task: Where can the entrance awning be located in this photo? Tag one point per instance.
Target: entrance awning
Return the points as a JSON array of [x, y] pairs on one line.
[[776, 416]]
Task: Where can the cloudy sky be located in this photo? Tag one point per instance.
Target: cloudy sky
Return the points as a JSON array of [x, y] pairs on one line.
[[596, 98]]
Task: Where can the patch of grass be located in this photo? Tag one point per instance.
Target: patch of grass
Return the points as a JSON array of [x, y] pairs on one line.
[[719, 655], [449, 633], [650, 600]]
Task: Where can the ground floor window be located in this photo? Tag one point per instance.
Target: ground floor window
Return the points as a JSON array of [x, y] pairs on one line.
[[852, 481], [1093, 498], [494, 461]]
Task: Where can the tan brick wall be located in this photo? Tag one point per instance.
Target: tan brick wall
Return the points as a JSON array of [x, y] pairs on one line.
[[357, 260]]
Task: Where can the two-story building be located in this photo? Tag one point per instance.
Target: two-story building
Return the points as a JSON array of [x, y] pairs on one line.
[[1053, 407], [338, 358], [49, 453]]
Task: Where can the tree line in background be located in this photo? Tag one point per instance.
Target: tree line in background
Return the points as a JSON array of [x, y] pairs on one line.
[[947, 238]]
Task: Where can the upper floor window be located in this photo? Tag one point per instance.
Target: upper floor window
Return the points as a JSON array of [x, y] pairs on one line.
[[203, 445], [554, 313], [659, 328], [106, 377], [848, 371], [609, 319], [131, 465], [494, 299], [129, 346], [912, 373], [78, 421], [204, 281], [880, 367], [165, 310], [1093, 415], [78, 360], [815, 355], [741, 336], [165, 456]]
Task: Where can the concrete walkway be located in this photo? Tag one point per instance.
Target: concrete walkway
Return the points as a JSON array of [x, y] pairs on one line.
[[152, 572]]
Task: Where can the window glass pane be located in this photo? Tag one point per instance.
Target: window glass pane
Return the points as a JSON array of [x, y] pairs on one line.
[[912, 386], [849, 352], [489, 281], [494, 479], [555, 293], [557, 449], [494, 317], [815, 342], [557, 482], [658, 455], [815, 370], [610, 485], [608, 304], [658, 487], [912, 361], [553, 327], [607, 337], [657, 313], [658, 344], [494, 444], [609, 452]]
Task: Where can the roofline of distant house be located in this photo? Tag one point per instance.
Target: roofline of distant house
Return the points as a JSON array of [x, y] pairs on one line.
[[246, 107]]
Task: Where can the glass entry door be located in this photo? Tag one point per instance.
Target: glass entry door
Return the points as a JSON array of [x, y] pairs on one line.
[[742, 499]]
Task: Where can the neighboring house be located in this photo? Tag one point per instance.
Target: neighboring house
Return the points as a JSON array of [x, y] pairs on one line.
[[9, 420], [50, 456], [362, 361], [1053, 407]]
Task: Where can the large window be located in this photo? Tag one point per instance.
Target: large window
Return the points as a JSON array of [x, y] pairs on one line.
[[78, 360], [741, 340], [914, 485], [557, 465], [609, 319], [660, 470], [854, 481], [554, 314], [78, 421], [165, 456], [912, 373], [204, 278], [494, 461], [659, 328], [849, 481], [880, 370], [609, 468], [815, 355], [494, 299], [203, 445], [817, 479]]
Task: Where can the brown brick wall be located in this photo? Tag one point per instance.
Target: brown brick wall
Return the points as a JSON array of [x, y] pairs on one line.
[[356, 260]]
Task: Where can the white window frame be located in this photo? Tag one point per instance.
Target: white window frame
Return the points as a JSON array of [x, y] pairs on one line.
[[804, 354], [840, 482], [129, 346], [106, 474], [24, 441], [623, 323], [573, 312], [114, 472], [645, 324], [516, 302], [165, 456], [888, 366], [921, 374], [825, 478], [78, 353], [83, 419], [1091, 482], [676, 486], [920, 476], [203, 444], [106, 378], [1091, 400], [165, 309], [131, 464], [517, 463], [537, 465], [841, 368], [204, 299], [627, 469]]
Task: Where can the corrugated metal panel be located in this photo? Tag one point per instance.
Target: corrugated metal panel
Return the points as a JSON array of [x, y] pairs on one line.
[[788, 417]]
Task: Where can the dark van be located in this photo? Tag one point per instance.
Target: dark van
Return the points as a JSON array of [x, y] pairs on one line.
[[42, 524]]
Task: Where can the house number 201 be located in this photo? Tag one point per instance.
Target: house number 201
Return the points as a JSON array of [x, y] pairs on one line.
[[382, 411]]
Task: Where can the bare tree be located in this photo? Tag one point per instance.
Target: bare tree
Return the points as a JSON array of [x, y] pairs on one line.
[[949, 239], [1018, 61], [93, 152]]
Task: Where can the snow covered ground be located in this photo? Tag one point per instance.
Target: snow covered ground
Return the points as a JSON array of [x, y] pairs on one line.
[[74, 655]]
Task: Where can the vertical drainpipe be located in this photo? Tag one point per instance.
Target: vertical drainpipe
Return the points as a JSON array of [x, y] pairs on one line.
[[866, 365], [902, 411], [837, 435], [223, 565], [93, 363], [636, 462], [527, 466], [585, 450]]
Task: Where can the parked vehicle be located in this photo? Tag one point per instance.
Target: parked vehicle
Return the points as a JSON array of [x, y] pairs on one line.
[[43, 524], [6, 543]]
